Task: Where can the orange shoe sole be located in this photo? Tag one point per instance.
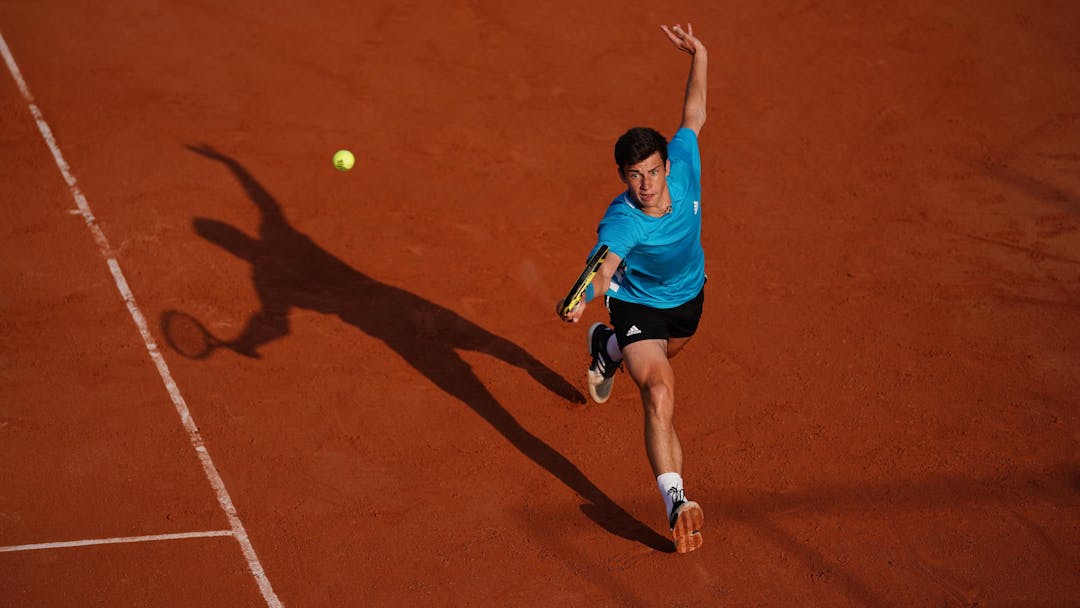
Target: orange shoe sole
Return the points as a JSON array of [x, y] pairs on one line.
[[687, 530]]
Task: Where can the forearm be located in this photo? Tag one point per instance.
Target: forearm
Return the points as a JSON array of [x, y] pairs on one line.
[[598, 287], [694, 105], [602, 280]]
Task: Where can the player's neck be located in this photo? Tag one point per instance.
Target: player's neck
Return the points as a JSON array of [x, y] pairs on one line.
[[660, 209]]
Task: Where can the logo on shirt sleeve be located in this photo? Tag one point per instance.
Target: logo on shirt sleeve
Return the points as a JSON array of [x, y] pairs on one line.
[[697, 204]]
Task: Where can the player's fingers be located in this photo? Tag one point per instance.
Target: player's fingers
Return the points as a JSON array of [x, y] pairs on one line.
[[576, 314], [565, 315], [675, 32], [683, 39]]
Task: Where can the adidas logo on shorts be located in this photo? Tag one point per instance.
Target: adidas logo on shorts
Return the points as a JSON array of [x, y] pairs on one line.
[[633, 331]]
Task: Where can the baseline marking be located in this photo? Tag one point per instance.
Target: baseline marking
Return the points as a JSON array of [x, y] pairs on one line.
[[115, 541], [224, 500]]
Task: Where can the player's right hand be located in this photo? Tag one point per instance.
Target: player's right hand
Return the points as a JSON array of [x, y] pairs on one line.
[[574, 315]]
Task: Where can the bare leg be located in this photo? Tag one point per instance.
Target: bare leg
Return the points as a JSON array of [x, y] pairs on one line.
[[675, 345], [647, 363]]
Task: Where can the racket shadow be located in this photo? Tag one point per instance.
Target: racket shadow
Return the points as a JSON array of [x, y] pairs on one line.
[[187, 335], [291, 271]]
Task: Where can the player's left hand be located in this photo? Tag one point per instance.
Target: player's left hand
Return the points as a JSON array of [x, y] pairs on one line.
[[684, 40]]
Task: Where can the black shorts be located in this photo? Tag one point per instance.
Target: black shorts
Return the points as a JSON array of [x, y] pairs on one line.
[[634, 322]]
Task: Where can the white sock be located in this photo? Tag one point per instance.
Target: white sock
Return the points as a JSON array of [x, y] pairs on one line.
[[613, 349], [670, 485]]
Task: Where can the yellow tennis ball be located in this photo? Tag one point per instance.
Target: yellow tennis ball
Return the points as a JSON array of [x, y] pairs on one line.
[[344, 160]]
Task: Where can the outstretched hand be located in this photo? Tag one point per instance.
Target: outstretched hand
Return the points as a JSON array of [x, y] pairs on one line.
[[574, 315], [684, 40]]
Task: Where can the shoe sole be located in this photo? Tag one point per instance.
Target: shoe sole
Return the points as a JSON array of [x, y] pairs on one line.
[[599, 387], [596, 381], [687, 530]]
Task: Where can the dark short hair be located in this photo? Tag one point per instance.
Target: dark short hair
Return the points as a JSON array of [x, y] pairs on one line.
[[637, 144]]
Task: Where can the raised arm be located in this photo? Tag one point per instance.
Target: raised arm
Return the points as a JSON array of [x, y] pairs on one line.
[[693, 116]]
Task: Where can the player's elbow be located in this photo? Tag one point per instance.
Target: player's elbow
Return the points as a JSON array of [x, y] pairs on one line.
[[601, 283], [694, 120]]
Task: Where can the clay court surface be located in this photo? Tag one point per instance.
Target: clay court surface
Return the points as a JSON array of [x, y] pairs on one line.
[[880, 407]]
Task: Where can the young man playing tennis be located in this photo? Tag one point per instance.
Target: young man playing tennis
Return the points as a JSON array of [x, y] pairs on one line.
[[653, 279]]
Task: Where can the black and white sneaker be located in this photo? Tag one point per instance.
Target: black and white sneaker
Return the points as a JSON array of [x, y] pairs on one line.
[[686, 522], [601, 376]]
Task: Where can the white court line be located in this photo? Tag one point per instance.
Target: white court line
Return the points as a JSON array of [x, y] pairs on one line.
[[224, 500], [115, 541]]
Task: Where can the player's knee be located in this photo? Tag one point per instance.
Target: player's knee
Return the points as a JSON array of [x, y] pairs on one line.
[[659, 401]]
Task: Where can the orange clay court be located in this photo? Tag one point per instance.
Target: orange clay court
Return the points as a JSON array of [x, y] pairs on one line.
[[880, 407]]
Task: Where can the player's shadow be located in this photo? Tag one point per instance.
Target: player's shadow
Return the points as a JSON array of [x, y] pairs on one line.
[[1040, 189], [779, 518], [291, 271]]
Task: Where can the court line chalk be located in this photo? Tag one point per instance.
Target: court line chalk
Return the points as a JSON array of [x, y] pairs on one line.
[[224, 500], [115, 541]]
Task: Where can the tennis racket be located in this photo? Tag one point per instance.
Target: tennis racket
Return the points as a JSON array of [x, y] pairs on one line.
[[187, 336], [577, 292]]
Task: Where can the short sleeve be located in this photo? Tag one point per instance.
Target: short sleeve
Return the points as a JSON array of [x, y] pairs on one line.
[[683, 148], [618, 232]]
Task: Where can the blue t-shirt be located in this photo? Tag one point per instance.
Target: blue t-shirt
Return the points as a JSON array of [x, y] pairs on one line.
[[663, 264]]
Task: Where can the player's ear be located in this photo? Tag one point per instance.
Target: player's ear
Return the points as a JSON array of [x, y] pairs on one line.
[[622, 174], [667, 166]]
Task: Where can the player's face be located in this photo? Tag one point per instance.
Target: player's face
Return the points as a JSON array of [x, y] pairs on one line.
[[647, 181]]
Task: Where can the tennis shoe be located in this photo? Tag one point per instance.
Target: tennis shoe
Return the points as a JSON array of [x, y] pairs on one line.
[[686, 522], [601, 376]]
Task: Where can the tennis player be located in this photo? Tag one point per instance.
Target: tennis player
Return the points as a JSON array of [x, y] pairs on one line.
[[653, 280]]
